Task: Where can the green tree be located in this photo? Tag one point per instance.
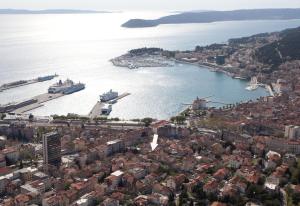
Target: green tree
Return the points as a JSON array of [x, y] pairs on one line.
[[147, 121]]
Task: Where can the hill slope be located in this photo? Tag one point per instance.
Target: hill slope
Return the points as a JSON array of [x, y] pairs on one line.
[[287, 48]]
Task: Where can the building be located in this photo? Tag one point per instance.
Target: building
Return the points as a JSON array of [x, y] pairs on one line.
[[292, 132], [165, 129], [199, 104], [52, 149], [115, 146], [220, 59]]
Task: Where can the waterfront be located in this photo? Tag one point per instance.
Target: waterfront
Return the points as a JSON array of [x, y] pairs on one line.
[[80, 51]]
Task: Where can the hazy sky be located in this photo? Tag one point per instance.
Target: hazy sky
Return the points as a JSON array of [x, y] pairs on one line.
[[149, 4]]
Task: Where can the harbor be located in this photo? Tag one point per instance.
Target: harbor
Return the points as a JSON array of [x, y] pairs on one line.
[[55, 91]]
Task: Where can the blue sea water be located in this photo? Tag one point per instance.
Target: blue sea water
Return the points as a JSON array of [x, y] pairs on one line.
[[79, 47]]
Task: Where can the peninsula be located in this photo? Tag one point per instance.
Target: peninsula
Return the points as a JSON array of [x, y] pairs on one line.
[[216, 16], [143, 57]]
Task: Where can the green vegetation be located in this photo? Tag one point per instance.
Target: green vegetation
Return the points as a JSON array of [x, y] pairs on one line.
[[147, 121], [295, 173], [2, 116], [70, 117], [67, 186], [178, 119], [258, 192], [293, 199], [285, 49], [27, 155], [145, 50]]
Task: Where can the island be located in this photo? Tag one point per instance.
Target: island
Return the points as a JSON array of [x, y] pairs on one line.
[[216, 16]]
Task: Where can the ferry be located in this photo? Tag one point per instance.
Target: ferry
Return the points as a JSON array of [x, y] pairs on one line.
[[105, 97], [66, 87]]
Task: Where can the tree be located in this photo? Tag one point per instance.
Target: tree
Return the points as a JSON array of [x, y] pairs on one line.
[[31, 117], [147, 121], [2, 116]]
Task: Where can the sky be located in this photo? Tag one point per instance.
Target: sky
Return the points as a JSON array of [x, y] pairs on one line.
[[157, 5]]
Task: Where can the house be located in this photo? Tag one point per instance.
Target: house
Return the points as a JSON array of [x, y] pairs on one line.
[[55, 200], [83, 187], [138, 172], [221, 174], [110, 202], [175, 182], [211, 186], [218, 204], [114, 179], [272, 183], [158, 199], [115, 146], [161, 189], [141, 200]]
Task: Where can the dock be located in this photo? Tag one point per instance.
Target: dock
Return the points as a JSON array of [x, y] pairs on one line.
[[96, 111], [40, 99]]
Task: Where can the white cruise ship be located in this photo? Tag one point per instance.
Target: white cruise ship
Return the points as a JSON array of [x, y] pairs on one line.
[[66, 87], [105, 97]]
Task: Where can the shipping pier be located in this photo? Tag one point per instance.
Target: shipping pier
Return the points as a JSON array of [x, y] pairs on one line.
[[104, 108], [28, 105], [40, 99], [21, 83]]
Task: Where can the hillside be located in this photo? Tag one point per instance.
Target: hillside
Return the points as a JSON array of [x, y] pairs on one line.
[[286, 48], [215, 16]]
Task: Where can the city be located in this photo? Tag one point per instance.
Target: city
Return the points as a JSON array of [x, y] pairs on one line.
[[237, 153]]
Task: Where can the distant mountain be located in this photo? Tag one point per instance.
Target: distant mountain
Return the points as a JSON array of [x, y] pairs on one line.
[[49, 11], [285, 49], [215, 16]]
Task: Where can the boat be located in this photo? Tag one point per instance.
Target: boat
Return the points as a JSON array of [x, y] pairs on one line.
[[105, 97], [66, 87], [253, 85]]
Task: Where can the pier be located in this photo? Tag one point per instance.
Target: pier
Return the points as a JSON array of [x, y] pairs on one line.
[[21, 83], [97, 109], [39, 100]]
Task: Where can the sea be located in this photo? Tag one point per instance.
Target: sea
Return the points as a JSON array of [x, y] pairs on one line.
[[79, 47]]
